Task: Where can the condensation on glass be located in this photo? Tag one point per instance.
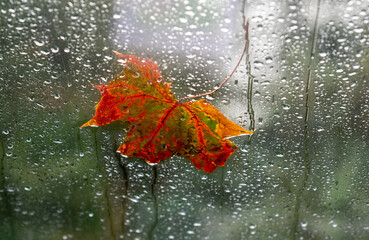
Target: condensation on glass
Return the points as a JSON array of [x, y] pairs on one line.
[[304, 88]]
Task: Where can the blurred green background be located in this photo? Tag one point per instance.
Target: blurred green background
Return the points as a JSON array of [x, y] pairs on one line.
[[305, 88]]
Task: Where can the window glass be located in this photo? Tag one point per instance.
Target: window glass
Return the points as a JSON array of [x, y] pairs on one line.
[[303, 88]]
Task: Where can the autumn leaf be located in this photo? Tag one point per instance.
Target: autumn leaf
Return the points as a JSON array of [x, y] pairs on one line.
[[160, 125]]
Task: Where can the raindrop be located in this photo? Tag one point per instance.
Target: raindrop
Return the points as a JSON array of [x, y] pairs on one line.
[[135, 74], [45, 51], [27, 188], [268, 59], [280, 154], [54, 49], [225, 30], [258, 63], [304, 224], [244, 148], [39, 43], [286, 106], [122, 60], [117, 16], [125, 156], [226, 101], [320, 129], [183, 20]]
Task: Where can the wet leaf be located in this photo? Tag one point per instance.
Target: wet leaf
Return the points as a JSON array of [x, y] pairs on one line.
[[160, 125]]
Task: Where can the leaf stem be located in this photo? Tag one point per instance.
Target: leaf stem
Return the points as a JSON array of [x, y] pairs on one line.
[[246, 27]]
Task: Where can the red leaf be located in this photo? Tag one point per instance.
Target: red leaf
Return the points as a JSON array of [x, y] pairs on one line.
[[160, 125]]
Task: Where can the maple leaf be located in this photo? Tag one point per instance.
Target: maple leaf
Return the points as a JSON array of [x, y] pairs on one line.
[[160, 125]]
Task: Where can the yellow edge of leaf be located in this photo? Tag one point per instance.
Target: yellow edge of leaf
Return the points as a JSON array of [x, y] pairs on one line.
[[92, 122]]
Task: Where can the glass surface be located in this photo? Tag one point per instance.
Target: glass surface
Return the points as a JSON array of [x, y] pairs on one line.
[[304, 88]]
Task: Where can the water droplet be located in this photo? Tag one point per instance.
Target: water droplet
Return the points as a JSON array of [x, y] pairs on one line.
[[45, 51], [258, 63], [125, 156], [183, 20], [268, 60], [320, 129], [244, 148], [304, 224], [225, 30], [39, 43], [286, 106], [226, 101], [117, 16], [280, 154], [122, 60], [54, 49], [27, 188], [135, 74]]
